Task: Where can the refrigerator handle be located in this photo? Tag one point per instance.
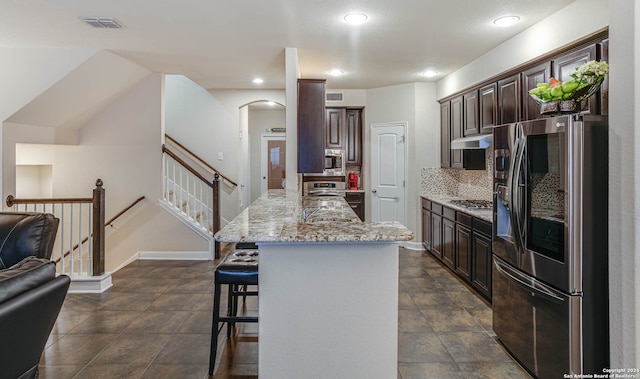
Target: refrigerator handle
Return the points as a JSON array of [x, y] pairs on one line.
[[515, 193], [528, 283]]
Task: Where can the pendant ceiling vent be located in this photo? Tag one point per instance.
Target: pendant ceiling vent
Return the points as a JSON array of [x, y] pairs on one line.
[[108, 23]]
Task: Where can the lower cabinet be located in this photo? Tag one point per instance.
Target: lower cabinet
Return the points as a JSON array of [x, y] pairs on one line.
[[481, 272], [461, 242], [463, 252], [449, 243], [356, 201]]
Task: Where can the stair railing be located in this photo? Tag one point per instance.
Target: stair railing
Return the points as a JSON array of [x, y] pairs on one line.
[[78, 217], [192, 196]]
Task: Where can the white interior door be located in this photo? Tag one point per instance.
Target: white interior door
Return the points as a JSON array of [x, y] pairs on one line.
[[388, 171], [272, 161]]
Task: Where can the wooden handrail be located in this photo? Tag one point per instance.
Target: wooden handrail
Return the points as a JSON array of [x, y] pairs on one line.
[[107, 224], [186, 165], [196, 157], [11, 201], [124, 211]]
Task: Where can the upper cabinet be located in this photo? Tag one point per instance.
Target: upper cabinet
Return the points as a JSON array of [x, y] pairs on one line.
[[604, 90], [311, 122], [354, 136], [566, 64], [335, 128], [471, 121], [488, 107], [445, 134], [457, 127], [505, 98], [509, 99], [343, 130], [530, 78]]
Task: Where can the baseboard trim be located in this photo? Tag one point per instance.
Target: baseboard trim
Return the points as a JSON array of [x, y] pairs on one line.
[[90, 284], [173, 255], [413, 245]]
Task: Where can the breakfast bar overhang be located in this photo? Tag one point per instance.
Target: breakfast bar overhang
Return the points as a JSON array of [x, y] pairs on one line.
[[328, 287]]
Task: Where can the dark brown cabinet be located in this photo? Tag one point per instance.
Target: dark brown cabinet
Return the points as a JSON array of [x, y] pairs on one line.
[[426, 224], [530, 78], [445, 134], [482, 261], [457, 126], [436, 235], [566, 64], [343, 130], [461, 242], [449, 243], [354, 136], [509, 99], [471, 120], [311, 122], [604, 90], [356, 201], [463, 252], [488, 108], [335, 128]]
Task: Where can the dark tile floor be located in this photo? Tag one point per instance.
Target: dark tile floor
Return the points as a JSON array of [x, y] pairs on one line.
[[155, 322]]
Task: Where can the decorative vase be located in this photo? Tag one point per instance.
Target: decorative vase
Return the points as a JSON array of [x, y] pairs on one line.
[[573, 104]]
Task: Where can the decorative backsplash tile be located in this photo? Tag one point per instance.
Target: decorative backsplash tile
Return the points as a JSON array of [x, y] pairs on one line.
[[466, 184]]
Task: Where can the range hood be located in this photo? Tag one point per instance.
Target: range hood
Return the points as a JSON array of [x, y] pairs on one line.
[[481, 141]]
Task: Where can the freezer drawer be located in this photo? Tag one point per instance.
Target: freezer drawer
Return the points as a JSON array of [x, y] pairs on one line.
[[533, 321]]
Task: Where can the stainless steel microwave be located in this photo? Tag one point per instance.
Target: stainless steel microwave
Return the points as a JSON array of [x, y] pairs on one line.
[[334, 163]]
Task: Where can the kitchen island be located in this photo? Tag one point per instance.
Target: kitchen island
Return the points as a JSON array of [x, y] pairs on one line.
[[328, 303]]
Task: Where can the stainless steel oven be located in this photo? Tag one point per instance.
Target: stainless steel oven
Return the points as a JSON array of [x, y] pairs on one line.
[[324, 188]]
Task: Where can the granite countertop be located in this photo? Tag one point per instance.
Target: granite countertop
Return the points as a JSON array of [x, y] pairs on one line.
[[355, 191], [277, 216], [483, 214]]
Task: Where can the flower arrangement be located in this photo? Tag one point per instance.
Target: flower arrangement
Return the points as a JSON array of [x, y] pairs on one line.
[[586, 81]]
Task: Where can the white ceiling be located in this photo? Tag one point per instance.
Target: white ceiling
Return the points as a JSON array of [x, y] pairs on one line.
[[225, 44]]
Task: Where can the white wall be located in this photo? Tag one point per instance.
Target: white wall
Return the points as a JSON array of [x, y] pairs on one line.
[[208, 122], [121, 146], [27, 72], [259, 122], [576, 20], [624, 184], [415, 103], [624, 141]]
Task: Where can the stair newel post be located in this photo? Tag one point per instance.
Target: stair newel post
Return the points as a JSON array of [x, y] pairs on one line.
[[98, 229], [215, 185]]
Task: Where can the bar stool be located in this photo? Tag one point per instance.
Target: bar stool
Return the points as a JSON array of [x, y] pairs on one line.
[[238, 270]]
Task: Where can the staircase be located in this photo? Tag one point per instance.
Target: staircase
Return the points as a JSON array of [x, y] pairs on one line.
[[190, 195]]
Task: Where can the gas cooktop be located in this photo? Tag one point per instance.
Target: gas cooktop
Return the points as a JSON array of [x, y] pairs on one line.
[[473, 204]]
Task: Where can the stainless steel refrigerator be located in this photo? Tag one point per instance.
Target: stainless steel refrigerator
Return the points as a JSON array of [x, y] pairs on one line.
[[550, 276]]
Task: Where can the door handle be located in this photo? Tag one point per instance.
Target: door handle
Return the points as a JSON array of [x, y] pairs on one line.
[[374, 190]]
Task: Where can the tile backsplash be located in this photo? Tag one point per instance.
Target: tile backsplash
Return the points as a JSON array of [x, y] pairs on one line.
[[466, 184]]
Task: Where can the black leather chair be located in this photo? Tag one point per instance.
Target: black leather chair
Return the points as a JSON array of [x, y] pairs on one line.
[[24, 235], [31, 295]]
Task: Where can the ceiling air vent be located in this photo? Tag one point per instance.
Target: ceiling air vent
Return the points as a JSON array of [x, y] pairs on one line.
[[334, 97], [103, 23]]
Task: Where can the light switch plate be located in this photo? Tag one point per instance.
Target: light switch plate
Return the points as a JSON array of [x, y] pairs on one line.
[[220, 155]]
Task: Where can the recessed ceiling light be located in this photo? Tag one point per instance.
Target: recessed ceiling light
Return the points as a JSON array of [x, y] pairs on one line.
[[355, 18], [430, 73], [258, 81], [506, 20], [336, 72]]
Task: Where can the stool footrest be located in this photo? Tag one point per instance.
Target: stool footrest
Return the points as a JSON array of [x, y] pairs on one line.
[[238, 319]]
